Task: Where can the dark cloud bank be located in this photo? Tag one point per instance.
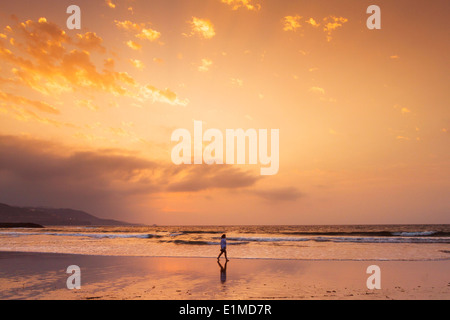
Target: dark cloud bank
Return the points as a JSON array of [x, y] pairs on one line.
[[41, 173]]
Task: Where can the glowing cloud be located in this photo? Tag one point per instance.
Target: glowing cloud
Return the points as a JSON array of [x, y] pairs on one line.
[[149, 34], [206, 63], [291, 23], [202, 27], [133, 45], [236, 4], [313, 22], [127, 25], [41, 106], [405, 110], [331, 24], [49, 61], [137, 64], [90, 41], [165, 96], [110, 4], [142, 30], [317, 90]]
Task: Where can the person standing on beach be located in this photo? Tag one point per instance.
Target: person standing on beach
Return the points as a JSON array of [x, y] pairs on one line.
[[223, 247]]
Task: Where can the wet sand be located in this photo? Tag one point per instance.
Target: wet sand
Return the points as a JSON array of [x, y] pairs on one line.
[[42, 276]]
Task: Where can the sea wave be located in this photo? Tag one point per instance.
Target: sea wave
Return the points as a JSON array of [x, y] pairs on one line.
[[88, 235], [208, 238], [344, 239], [420, 234], [372, 233], [201, 242]]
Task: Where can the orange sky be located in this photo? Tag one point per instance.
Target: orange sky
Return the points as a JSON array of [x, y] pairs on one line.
[[86, 115]]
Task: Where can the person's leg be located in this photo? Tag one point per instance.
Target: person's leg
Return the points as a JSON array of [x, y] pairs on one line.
[[221, 251], [226, 258]]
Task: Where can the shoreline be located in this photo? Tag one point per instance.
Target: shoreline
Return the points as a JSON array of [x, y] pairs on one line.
[[42, 276], [232, 258]]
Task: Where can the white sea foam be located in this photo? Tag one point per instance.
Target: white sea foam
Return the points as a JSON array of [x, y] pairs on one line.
[[414, 234]]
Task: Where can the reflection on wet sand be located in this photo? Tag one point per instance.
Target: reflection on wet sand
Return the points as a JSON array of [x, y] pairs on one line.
[[223, 271]]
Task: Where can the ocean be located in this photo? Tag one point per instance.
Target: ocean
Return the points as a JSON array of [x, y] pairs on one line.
[[343, 242]]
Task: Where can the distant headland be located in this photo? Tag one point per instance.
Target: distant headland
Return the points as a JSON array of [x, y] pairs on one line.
[[37, 217]]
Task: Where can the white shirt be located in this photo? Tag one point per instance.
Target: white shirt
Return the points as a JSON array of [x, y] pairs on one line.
[[223, 243]]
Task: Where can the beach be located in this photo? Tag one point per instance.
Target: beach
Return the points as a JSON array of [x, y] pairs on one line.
[[42, 276]]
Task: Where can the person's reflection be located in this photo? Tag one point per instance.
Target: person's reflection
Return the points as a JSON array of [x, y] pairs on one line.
[[223, 271]]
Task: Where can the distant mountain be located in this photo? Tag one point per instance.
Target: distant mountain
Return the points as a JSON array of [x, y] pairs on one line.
[[52, 217]]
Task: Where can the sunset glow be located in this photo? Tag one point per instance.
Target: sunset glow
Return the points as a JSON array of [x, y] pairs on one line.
[[86, 116]]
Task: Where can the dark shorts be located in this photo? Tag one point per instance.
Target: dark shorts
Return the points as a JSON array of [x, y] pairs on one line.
[[223, 250]]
